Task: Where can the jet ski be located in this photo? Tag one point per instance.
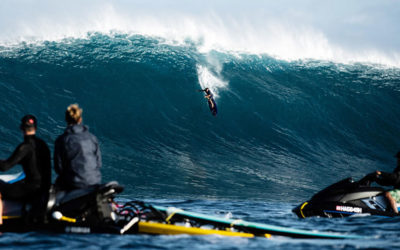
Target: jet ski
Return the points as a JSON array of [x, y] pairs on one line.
[[95, 210], [346, 198], [81, 211]]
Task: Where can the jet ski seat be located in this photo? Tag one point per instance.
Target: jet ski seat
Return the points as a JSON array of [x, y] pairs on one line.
[[66, 196]]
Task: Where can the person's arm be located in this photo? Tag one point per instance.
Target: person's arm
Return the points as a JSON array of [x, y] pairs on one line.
[[98, 154], [58, 156], [387, 179], [19, 153]]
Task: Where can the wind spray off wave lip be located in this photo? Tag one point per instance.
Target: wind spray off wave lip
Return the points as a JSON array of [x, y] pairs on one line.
[[363, 31]]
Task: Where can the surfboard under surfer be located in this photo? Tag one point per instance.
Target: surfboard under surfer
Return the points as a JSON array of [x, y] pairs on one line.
[[211, 102]]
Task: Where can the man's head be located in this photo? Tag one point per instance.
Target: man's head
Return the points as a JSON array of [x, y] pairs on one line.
[[73, 114], [28, 124]]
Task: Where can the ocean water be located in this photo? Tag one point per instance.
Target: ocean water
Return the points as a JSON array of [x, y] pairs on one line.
[[286, 128]]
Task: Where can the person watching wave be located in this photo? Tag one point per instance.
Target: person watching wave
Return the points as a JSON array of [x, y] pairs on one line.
[[77, 156], [387, 179], [34, 156]]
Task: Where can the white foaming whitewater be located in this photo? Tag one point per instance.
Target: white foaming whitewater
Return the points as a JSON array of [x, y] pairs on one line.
[[210, 80]]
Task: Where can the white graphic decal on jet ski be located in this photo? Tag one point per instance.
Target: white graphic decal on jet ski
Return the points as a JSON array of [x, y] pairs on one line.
[[349, 209]]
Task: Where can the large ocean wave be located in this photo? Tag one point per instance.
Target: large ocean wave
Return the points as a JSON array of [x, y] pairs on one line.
[[284, 129]]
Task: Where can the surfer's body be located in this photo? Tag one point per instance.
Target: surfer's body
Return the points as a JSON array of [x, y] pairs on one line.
[[211, 102]]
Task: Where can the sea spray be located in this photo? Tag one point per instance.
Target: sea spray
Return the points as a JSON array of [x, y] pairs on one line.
[[211, 81]]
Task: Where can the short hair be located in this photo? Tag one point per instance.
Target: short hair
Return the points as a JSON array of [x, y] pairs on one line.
[[73, 114]]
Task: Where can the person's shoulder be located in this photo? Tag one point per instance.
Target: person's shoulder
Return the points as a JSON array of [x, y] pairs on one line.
[[94, 138], [87, 131], [25, 146], [41, 142], [61, 138]]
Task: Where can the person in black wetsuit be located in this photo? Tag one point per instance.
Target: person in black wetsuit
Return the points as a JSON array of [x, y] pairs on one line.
[[387, 179], [34, 156], [77, 157], [211, 102]]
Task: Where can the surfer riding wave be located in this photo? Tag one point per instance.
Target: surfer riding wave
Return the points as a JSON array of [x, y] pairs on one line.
[[211, 102]]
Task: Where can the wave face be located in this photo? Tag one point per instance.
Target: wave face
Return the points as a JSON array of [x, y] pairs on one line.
[[284, 129]]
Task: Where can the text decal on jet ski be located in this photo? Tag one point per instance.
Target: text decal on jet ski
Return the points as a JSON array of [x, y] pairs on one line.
[[349, 209], [79, 230]]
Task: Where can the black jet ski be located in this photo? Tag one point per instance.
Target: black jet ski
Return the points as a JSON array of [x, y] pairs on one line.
[[346, 198], [80, 211]]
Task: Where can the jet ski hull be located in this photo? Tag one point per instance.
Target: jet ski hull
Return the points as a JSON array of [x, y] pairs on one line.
[[346, 198]]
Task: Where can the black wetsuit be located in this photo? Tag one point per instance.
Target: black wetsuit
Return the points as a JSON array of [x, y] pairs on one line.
[[389, 179], [384, 179], [34, 156], [211, 103]]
